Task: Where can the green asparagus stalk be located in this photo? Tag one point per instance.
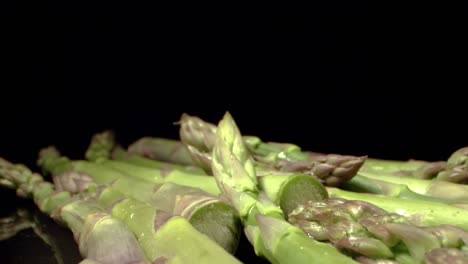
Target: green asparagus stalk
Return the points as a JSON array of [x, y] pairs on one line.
[[362, 229], [332, 169], [101, 238], [184, 243], [268, 232], [121, 155], [209, 214], [403, 167], [446, 255], [455, 169], [162, 149], [361, 183], [162, 236], [103, 147], [108, 170], [286, 190], [222, 226], [199, 138], [433, 188], [422, 213], [180, 177]]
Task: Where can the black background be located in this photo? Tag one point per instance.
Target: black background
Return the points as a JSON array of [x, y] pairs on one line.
[[348, 78], [340, 77]]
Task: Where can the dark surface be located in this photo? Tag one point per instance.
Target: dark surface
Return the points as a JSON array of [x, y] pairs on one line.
[[56, 246], [336, 78]]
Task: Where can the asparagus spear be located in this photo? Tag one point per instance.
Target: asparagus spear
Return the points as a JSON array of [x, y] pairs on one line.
[[332, 169], [161, 149], [101, 238], [162, 235], [374, 185], [366, 230], [103, 147], [423, 213], [182, 245], [120, 154], [52, 162], [455, 169], [434, 188], [268, 232], [198, 136], [286, 190], [208, 214]]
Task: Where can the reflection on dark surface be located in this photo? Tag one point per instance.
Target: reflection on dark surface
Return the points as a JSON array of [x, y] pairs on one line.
[[43, 241]]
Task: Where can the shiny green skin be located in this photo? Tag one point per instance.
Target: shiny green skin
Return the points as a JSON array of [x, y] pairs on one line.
[[422, 213], [267, 230], [162, 235]]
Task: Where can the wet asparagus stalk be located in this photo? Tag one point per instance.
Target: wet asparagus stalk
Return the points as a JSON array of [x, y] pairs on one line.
[[360, 183], [364, 230], [163, 236], [198, 137], [118, 153], [101, 237], [267, 230], [285, 189], [183, 244], [332, 169], [434, 188], [207, 213], [455, 169], [423, 213], [103, 147], [162, 149]]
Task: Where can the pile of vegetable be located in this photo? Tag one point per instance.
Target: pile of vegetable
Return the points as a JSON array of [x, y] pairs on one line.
[[161, 200]]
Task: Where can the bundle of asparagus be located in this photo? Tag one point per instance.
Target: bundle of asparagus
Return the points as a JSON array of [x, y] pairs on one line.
[[288, 192], [209, 214], [432, 212], [199, 136], [183, 201], [369, 232], [127, 226]]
